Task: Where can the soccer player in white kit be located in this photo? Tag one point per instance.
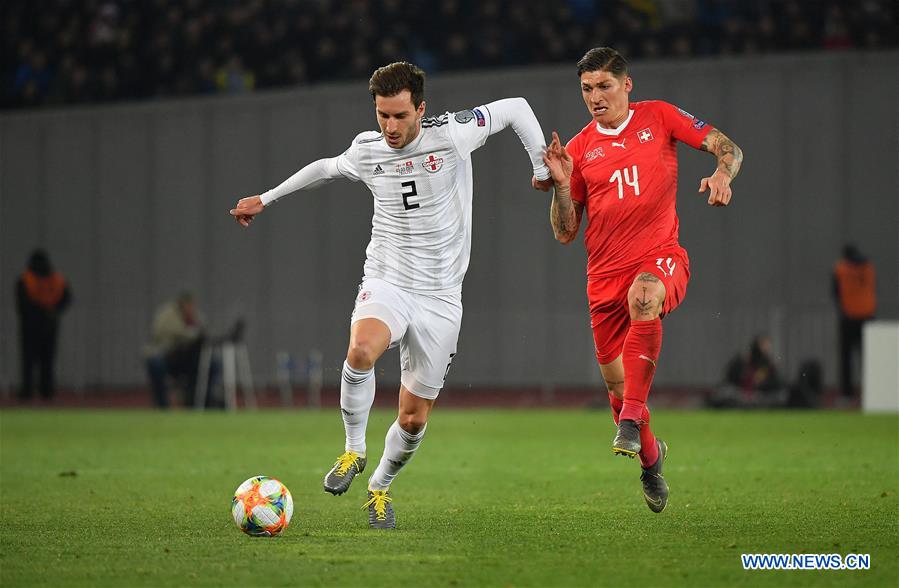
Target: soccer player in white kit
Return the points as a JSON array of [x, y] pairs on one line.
[[419, 171]]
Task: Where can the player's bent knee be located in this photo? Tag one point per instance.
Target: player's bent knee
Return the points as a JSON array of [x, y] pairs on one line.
[[645, 297], [361, 355], [412, 422]]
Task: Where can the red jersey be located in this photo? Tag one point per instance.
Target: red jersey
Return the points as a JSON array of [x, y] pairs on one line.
[[627, 180]]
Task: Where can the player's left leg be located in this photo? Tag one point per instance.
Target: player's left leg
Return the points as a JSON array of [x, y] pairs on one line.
[[403, 438], [426, 353]]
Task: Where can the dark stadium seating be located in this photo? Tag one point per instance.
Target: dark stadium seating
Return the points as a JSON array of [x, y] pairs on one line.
[[61, 52]]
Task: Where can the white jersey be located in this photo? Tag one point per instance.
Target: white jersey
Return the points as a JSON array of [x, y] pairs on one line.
[[421, 227]]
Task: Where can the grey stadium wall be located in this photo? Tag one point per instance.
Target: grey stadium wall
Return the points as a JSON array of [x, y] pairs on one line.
[[132, 203]]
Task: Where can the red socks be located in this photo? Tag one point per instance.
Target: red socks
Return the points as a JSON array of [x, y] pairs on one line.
[[649, 449], [615, 402], [641, 351], [639, 356]]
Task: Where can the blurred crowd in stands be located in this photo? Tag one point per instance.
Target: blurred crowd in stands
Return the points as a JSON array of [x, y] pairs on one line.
[[84, 51]]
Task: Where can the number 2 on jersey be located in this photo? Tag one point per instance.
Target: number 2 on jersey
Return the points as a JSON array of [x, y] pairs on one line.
[[411, 192], [623, 176]]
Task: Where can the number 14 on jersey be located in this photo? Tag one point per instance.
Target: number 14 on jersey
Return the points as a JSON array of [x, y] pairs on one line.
[[626, 176]]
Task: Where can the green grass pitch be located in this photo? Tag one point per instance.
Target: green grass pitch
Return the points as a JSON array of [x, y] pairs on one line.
[[493, 498]]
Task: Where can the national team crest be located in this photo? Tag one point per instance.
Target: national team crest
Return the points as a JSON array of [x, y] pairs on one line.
[[432, 163], [645, 136]]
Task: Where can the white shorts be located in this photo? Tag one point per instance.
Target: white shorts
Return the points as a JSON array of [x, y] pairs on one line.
[[426, 328]]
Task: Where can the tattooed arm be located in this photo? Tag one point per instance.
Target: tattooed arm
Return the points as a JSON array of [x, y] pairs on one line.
[[730, 158], [564, 213]]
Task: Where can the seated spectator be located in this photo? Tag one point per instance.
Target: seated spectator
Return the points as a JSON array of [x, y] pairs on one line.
[[761, 373], [174, 349], [751, 379]]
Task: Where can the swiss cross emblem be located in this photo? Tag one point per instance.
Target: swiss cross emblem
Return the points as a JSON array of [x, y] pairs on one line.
[[598, 152], [432, 164], [645, 135]]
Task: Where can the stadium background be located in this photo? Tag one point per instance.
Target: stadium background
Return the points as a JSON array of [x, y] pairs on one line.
[[130, 193], [128, 130]]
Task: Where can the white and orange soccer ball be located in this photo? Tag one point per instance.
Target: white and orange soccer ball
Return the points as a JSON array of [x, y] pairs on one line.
[[262, 506]]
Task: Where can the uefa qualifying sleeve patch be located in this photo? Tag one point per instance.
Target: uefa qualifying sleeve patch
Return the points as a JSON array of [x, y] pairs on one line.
[[480, 116], [464, 116]]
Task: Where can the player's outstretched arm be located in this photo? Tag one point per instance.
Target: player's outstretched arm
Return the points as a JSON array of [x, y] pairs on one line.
[[730, 158], [517, 113], [313, 175], [564, 213]]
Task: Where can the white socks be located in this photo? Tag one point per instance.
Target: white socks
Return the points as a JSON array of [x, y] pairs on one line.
[[399, 447], [357, 393]]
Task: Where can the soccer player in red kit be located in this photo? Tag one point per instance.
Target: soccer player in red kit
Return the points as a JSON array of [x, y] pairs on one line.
[[622, 170]]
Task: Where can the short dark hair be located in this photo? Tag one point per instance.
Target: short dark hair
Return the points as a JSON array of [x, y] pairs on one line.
[[392, 79], [603, 59]]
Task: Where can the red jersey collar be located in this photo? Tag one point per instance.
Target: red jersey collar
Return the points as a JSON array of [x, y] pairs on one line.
[[616, 132]]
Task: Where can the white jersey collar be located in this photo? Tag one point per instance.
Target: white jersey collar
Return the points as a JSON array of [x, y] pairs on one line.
[[616, 132], [411, 147]]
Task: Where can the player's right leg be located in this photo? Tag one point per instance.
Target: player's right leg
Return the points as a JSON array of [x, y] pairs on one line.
[[376, 325], [369, 338], [655, 488]]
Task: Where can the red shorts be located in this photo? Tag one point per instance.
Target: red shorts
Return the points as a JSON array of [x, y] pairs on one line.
[[609, 314]]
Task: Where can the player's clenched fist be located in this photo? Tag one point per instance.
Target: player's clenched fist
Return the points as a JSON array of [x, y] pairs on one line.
[[246, 209], [719, 189]]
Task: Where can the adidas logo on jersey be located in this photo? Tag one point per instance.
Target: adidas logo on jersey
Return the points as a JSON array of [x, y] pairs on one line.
[[378, 170]]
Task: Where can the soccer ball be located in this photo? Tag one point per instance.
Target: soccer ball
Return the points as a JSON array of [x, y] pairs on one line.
[[262, 506]]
